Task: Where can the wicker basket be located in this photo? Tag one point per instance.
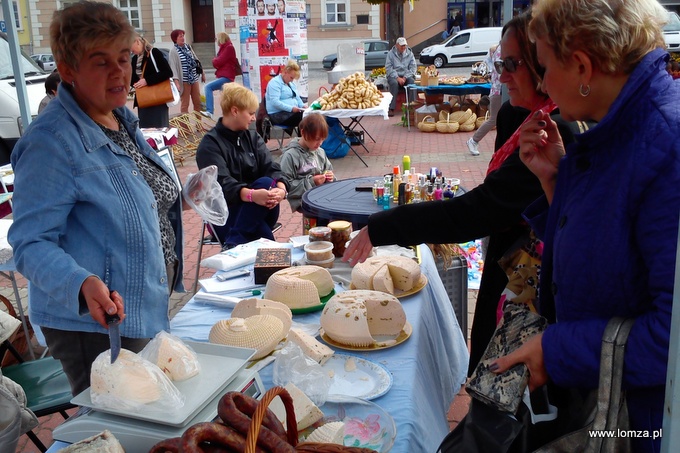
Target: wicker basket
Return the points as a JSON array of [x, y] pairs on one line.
[[258, 416], [482, 119], [428, 124], [445, 126]]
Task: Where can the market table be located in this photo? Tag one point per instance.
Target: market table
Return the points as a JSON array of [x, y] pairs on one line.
[[340, 200], [456, 90], [355, 116], [428, 368]]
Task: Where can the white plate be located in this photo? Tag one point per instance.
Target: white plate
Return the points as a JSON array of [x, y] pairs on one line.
[[219, 366], [368, 380]]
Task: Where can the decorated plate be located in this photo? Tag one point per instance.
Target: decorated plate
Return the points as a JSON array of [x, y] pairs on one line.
[[367, 425], [313, 308], [420, 284], [382, 341], [355, 376]]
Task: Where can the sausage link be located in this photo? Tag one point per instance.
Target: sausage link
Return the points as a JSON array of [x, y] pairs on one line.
[[167, 446]]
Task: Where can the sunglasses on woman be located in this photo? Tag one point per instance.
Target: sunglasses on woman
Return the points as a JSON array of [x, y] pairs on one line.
[[509, 64]]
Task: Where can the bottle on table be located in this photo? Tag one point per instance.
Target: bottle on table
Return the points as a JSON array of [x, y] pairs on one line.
[[406, 163], [396, 181]]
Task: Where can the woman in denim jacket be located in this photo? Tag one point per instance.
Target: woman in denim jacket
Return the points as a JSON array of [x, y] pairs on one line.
[[97, 216]]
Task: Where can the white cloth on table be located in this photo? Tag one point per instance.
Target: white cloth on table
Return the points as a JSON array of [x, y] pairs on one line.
[[380, 110]]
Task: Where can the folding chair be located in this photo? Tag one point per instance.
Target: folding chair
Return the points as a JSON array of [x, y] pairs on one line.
[[265, 127], [210, 239]]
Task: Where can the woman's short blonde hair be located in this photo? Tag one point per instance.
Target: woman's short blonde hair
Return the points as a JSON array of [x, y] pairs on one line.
[[235, 95], [293, 67], [85, 25], [222, 37], [615, 34]]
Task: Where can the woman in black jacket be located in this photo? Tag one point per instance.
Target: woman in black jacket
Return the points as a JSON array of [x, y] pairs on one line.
[[151, 69], [491, 209]]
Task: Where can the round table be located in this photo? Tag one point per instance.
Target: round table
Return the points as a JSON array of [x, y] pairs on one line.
[[340, 200]]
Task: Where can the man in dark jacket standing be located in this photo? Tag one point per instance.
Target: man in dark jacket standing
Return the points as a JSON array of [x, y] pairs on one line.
[[400, 67]]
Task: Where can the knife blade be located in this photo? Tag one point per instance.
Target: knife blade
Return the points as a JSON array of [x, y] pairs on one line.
[[113, 322]]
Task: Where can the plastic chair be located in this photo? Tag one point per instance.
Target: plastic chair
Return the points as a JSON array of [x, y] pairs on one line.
[[264, 127], [45, 384]]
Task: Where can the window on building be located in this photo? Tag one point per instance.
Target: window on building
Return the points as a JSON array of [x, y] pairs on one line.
[[308, 13], [362, 19], [15, 13], [133, 11], [337, 11]]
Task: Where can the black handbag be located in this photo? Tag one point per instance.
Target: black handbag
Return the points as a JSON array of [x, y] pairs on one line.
[[199, 67]]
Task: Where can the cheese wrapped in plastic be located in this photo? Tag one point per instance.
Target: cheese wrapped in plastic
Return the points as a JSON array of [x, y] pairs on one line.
[[177, 360], [132, 383]]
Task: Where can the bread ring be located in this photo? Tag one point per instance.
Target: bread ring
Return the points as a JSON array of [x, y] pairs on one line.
[[236, 410], [194, 438], [172, 445]]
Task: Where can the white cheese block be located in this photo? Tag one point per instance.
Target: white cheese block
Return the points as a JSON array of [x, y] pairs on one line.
[[328, 433], [313, 348], [306, 412], [260, 332], [382, 280], [299, 286], [130, 378], [402, 273], [251, 307], [178, 361], [104, 442], [355, 317]]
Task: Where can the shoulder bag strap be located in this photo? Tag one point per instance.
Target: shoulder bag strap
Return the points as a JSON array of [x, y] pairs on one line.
[[153, 60], [611, 376]]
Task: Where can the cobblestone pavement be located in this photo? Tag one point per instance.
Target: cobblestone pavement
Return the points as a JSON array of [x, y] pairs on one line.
[[448, 152]]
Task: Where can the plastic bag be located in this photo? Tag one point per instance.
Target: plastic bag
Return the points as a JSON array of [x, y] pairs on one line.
[[177, 360], [175, 94], [132, 383], [203, 193], [292, 365]]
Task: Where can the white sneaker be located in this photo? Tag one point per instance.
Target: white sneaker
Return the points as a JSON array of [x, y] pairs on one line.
[[206, 114], [472, 147]]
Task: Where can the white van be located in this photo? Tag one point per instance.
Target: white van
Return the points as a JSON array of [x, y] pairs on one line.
[[466, 46], [671, 32], [11, 126]]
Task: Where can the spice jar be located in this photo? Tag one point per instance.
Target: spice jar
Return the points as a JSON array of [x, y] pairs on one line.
[[340, 231], [321, 233]]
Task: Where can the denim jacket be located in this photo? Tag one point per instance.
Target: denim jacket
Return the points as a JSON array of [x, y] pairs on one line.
[[82, 208]]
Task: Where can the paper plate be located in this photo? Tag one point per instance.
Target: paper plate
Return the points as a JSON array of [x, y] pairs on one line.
[[382, 342], [420, 284], [355, 376], [313, 308]]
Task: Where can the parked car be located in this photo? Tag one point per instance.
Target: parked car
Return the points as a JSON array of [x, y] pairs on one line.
[[671, 32], [466, 46], [375, 54], [11, 123], [45, 61]]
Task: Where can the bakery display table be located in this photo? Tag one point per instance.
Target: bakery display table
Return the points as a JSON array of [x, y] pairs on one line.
[[340, 200], [456, 90], [353, 118], [428, 368]]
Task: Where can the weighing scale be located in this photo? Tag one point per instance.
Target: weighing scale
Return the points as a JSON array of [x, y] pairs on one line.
[[137, 435]]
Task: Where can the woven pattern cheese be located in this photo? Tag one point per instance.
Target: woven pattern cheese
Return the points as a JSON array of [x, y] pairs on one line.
[[355, 317], [299, 286], [310, 346], [260, 332], [251, 307], [404, 274]]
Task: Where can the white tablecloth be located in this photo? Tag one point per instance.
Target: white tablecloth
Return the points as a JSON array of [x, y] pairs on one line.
[[428, 368], [380, 110]]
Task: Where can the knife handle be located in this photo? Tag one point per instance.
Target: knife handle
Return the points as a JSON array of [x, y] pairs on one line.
[[112, 319]]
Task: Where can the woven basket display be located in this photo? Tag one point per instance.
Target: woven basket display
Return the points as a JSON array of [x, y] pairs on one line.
[[428, 124], [469, 124], [481, 119], [445, 126]]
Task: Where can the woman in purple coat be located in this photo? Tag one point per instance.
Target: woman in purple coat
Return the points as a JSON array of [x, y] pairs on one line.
[[609, 217]]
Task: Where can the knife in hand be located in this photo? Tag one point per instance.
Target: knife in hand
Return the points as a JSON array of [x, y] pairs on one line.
[[113, 322]]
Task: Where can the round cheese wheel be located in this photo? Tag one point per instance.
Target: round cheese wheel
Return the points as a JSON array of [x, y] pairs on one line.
[[386, 273], [299, 286], [355, 317], [259, 332]]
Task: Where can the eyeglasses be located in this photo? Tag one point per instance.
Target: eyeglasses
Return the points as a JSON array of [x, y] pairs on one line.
[[508, 64]]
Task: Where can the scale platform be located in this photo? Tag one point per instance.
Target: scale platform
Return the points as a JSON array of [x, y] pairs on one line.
[[137, 434]]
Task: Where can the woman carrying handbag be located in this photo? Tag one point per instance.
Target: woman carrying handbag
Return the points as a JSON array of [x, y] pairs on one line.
[[151, 69]]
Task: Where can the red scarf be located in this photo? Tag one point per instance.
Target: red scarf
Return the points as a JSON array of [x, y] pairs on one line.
[[511, 144]]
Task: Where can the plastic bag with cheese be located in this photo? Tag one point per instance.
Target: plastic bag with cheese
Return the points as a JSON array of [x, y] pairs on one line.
[[292, 365], [177, 360], [204, 194], [132, 383]]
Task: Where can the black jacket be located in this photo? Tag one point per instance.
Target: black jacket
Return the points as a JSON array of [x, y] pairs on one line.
[[152, 76]]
